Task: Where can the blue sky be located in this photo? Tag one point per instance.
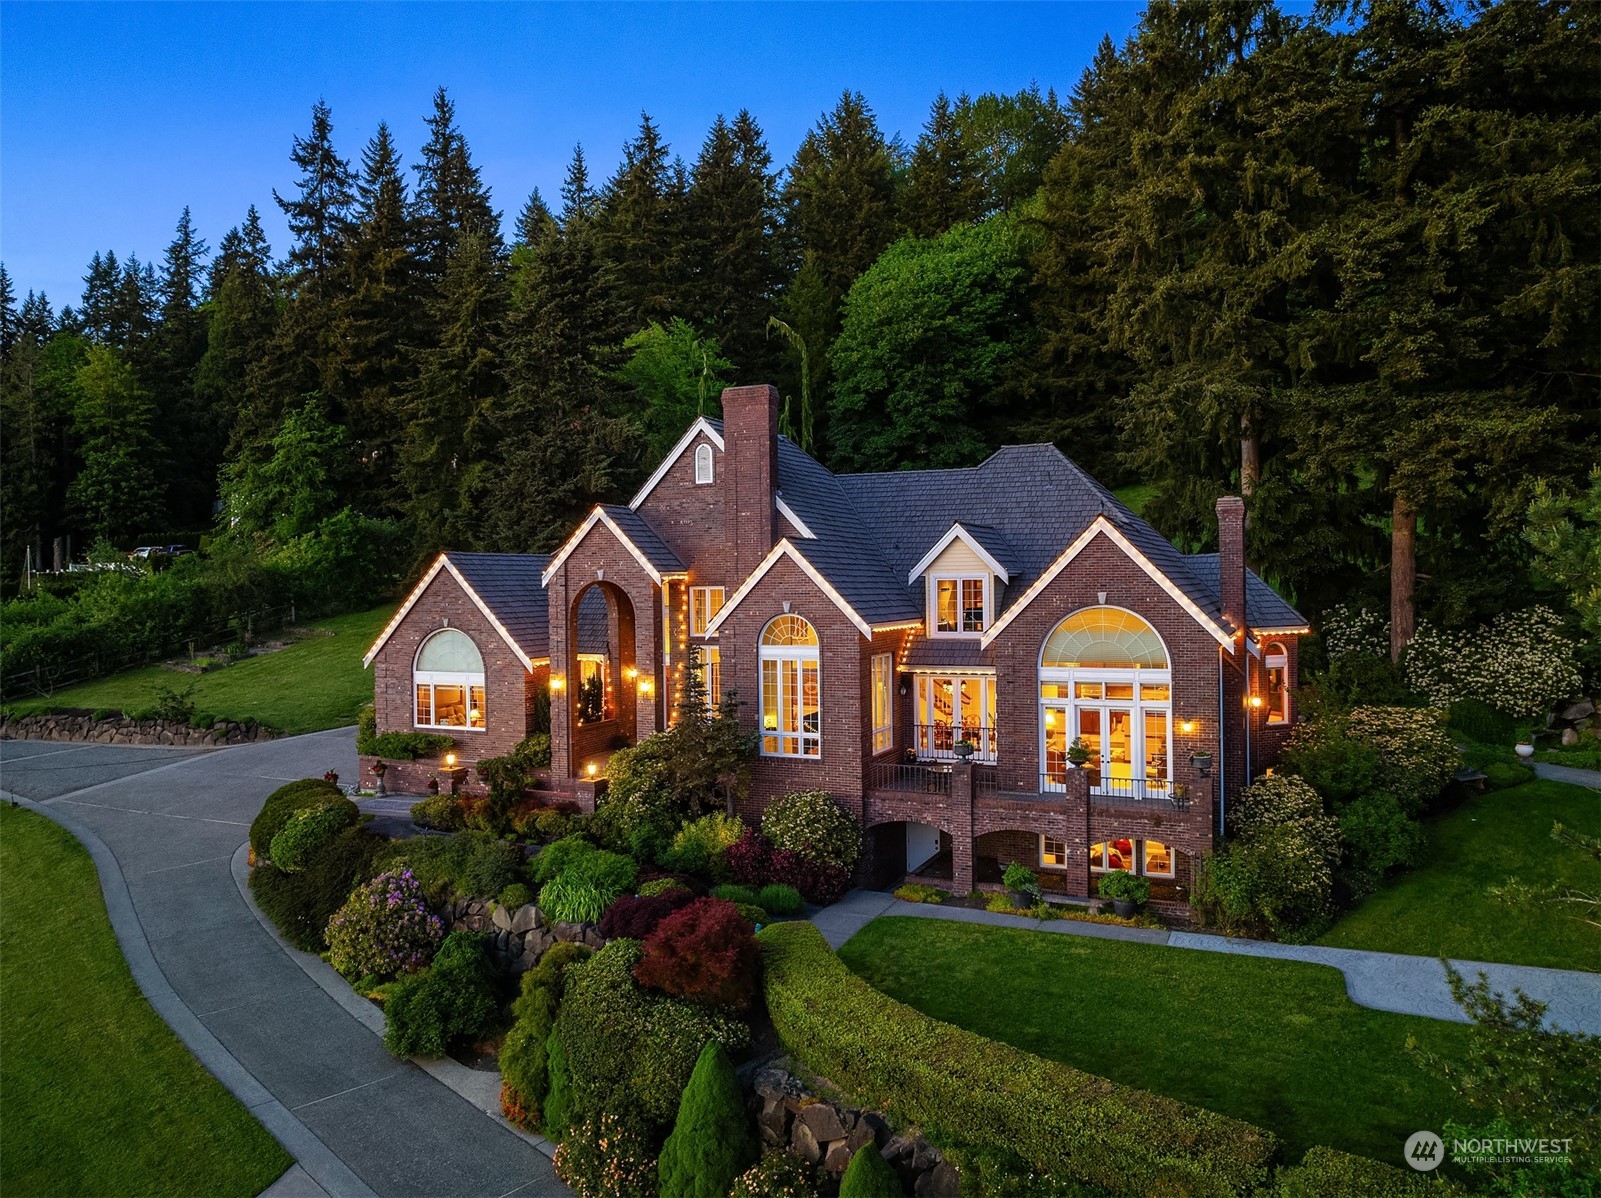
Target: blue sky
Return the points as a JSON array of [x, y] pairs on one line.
[[114, 116]]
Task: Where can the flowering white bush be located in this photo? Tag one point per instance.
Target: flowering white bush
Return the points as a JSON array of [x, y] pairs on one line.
[[810, 823], [1350, 628], [1521, 664], [1414, 748], [1277, 873]]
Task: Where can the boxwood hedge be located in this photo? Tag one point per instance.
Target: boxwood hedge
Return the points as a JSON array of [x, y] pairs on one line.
[[1062, 1121]]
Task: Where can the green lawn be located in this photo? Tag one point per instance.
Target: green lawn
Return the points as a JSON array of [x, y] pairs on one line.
[[1276, 1043], [316, 683], [1442, 908], [100, 1096]]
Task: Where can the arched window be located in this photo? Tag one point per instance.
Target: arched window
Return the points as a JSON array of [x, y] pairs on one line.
[[1104, 681], [703, 464], [449, 681], [792, 714], [1277, 664]]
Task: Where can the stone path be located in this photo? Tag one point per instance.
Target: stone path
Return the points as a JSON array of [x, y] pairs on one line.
[[1567, 773], [1383, 981], [163, 826]]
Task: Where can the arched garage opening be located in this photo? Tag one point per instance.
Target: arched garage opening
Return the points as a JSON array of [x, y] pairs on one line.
[[905, 848]]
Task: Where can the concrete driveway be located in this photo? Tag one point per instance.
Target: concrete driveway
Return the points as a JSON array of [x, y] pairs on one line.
[[169, 821]]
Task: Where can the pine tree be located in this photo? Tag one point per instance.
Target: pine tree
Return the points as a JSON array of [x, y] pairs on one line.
[[8, 312], [118, 491], [710, 1144], [639, 228], [193, 446], [944, 181], [319, 214], [735, 270], [233, 401], [452, 201], [535, 222]]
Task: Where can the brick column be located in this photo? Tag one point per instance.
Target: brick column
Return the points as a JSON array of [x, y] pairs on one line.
[[961, 814], [561, 699]]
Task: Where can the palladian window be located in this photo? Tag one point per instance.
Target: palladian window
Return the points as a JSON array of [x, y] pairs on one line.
[[449, 681], [792, 716], [1105, 681]]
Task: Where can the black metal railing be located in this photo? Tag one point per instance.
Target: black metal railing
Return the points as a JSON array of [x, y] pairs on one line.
[[909, 779], [1122, 792], [937, 742]]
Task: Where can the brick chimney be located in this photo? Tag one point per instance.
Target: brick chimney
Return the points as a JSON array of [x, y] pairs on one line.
[[1231, 559], [750, 438]]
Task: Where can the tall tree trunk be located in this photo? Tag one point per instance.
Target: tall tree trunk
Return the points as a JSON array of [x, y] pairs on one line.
[[1403, 575], [1250, 457]]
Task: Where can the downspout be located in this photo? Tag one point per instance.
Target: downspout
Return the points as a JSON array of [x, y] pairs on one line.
[[1222, 760]]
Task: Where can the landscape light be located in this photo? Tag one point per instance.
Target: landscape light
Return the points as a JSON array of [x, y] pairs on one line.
[[450, 760]]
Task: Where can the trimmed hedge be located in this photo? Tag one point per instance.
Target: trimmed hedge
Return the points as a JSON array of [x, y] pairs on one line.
[[284, 802], [454, 997], [301, 904], [309, 830], [1330, 1173], [1062, 1121]]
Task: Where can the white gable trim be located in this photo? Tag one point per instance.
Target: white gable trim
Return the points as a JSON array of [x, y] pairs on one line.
[[1102, 526], [599, 516], [795, 521], [944, 543], [779, 551], [443, 562], [701, 425]]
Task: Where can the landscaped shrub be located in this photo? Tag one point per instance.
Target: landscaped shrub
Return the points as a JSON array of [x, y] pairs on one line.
[[384, 928], [640, 813], [750, 861], [587, 884], [454, 997], [662, 886], [869, 1176], [1416, 755], [525, 1054], [516, 895], [1019, 877], [1378, 838], [811, 824], [1061, 1121], [701, 846], [917, 892], [281, 804], [778, 1174], [1330, 1173], [301, 904], [557, 856], [409, 746], [1480, 723], [606, 1157], [1503, 775], [711, 1143], [630, 1050], [821, 882], [1120, 884], [705, 954], [1521, 664], [636, 918], [492, 866], [443, 813], [1338, 767], [752, 914], [469, 864], [558, 1114], [780, 899], [309, 830], [735, 893]]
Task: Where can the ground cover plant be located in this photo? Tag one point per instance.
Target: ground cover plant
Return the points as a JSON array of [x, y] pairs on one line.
[[316, 683], [100, 1096], [1250, 1037], [1458, 902]]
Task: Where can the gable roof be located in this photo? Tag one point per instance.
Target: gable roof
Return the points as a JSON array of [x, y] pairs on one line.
[[1265, 608], [505, 587], [713, 431], [987, 545], [636, 535]]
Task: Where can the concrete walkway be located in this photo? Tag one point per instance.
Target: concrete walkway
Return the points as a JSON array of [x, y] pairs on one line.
[[1383, 981], [163, 826], [1566, 773]]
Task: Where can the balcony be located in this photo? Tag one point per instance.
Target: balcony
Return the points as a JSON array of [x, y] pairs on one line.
[[937, 742], [1146, 793], [909, 779]]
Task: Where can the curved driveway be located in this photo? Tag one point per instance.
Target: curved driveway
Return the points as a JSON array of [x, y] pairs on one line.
[[358, 1121]]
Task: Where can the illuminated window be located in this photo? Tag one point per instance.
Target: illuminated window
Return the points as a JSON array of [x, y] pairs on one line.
[[1158, 859], [594, 693], [1149, 857], [1112, 854], [704, 472], [883, 668], [951, 710], [704, 604], [711, 661], [1053, 853], [1277, 663], [791, 699], [448, 679], [961, 605]]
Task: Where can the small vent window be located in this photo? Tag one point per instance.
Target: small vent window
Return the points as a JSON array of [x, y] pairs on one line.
[[703, 465]]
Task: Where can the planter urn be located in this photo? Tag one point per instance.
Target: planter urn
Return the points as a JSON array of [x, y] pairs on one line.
[[1020, 898], [1125, 908], [1524, 749]]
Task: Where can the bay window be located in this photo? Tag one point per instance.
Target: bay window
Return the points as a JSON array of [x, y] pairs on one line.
[[448, 682], [791, 698]]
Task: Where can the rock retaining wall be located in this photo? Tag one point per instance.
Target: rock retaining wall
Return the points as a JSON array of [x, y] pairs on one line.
[[119, 730], [520, 935], [826, 1135]]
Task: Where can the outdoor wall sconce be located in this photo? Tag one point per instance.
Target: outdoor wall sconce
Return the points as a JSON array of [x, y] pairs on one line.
[[1256, 701], [591, 769], [557, 682], [1202, 763], [630, 673], [1186, 726], [646, 687]]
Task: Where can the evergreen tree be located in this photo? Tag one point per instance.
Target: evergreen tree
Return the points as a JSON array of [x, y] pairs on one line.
[[319, 213], [638, 228], [735, 269], [944, 181], [118, 490], [535, 222], [38, 392], [298, 486], [1015, 138], [710, 1144], [452, 201], [869, 1175], [8, 312], [193, 444]]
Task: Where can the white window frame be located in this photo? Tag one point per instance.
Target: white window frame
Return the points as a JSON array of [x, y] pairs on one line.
[[1141, 866], [705, 467], [1277, 658], [789, 666], [711, 665], [1172, 861], [468, 681], [985, 581], [1044, 853], [882, 701], [701, 609], [923, 724]]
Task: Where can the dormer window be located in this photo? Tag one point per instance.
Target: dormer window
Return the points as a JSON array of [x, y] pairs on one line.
[[961, 604], [704, 471]]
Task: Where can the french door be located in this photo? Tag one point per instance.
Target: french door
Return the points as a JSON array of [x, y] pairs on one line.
[[1128, 741]]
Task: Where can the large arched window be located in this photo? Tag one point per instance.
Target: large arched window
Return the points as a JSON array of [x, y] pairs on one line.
[[792, 714], [1105, 681], [449, 681]]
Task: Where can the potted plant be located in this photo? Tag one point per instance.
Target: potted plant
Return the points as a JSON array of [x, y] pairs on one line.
[[1525, 748], [331, 776], [379, 769], [963, 749], [433, 786], [1126, 892], [1022, 887], [1078, 753]]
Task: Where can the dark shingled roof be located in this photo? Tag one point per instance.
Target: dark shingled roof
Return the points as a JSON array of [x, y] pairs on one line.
[[645, 538], [1264, 607], [509, 584], [949, 652]]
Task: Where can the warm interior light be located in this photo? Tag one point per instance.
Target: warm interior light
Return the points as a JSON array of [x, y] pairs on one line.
[[450, 760], [1186, 726], [630, 672]]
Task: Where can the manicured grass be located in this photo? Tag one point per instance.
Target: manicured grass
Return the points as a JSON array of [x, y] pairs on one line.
[[1442, 908], [1276, 1043], [316, 683], [100, 1096]]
